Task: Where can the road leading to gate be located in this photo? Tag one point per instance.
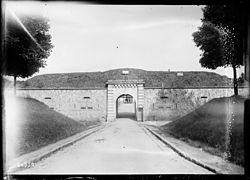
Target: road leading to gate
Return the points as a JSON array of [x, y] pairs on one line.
[[121, 148]]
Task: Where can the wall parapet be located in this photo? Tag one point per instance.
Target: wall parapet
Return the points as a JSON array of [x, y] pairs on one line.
[[201, 87], [87, 88], [104, 88]]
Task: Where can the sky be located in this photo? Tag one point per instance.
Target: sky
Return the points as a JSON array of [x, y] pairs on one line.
[[89, 37]]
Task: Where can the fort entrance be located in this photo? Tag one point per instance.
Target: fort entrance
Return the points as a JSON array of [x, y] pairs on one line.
[[125, 95], [126, 107], [125, 98]]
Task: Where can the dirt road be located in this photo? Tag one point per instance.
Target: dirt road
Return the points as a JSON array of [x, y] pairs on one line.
[[121, 148]]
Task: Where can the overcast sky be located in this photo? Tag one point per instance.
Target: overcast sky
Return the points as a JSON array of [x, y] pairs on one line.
[[103, 37]]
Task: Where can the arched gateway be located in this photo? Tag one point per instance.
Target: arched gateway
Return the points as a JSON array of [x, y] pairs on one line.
[[126, 106], [118, 88]]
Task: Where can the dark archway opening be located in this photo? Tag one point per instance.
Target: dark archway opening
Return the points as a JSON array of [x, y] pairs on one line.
[[126, 107]]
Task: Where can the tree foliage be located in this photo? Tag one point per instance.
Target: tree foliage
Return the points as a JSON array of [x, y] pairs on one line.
[[27, 44], [220, 38], [229, 20], [208, 39]]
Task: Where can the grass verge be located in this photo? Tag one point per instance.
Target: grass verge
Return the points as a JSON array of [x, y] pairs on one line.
[[37, 126], [216, 127]]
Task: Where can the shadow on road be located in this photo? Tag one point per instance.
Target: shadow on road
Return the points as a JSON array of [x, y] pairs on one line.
[[126, 115]]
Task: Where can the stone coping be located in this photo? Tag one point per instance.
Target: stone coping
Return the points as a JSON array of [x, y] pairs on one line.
[[103, 88], [201, 87], [87, 88]]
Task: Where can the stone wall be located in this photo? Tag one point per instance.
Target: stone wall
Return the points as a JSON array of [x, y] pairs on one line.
[[158, 104], [78, 104], [170, 104]]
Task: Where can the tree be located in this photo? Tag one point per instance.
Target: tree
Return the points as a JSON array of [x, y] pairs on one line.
[[27, 44], [221, 38]]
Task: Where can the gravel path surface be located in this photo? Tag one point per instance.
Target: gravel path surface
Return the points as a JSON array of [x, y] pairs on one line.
[[121, 148]]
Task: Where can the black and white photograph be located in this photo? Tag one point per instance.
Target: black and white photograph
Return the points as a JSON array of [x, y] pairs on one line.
[[118, 89]]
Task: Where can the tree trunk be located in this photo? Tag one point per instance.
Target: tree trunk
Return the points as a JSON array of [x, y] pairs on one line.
[[15, 85], [235, 81]]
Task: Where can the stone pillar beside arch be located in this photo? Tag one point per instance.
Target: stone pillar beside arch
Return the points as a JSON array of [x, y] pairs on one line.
[[116, 88], [140, 102], [110, 106]]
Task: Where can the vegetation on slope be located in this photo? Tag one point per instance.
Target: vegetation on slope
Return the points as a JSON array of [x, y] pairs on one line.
[[209, 125], [38, 126], [151, 78]]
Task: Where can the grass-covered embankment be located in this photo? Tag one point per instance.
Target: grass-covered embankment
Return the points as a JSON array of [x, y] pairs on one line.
[[151, 78], [208, 128], [37, 126]]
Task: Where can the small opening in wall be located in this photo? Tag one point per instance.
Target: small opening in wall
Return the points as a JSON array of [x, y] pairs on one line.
[[83, 107], [164, 97], [47, 98], [164, 107], [203, 97], [86, 97], [90, 107]]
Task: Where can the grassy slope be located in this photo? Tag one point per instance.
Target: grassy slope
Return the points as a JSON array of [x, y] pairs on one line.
[[208, 125], [42, 126], [151, 78]]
